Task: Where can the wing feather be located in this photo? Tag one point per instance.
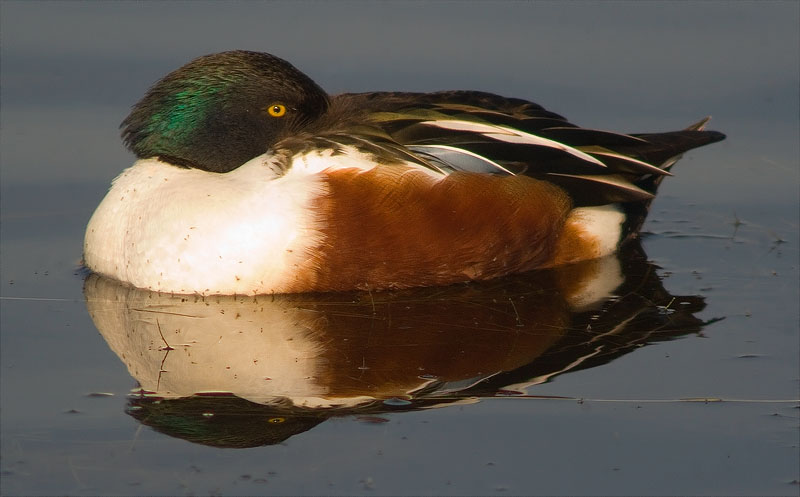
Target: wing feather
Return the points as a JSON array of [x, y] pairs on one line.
[[486, 133]]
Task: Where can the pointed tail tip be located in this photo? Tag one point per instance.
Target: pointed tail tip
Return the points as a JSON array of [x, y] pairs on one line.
[[699, 125], [711, 136], [714, 136]]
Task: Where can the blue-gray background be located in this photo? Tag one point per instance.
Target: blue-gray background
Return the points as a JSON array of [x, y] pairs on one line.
[[70, 71]]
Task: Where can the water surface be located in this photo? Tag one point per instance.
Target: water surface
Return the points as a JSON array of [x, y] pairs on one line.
[[686, 382]]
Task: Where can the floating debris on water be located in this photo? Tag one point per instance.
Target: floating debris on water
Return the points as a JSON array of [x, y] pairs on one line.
[[100, 394]]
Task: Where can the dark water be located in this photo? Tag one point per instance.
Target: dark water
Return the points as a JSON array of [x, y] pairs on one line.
[[685, 382]]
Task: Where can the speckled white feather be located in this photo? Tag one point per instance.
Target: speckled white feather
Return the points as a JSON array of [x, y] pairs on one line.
[[184, 230]]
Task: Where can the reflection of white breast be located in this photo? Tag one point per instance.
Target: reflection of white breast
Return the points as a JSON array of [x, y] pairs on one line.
[[342, 349], [256, 349], [184, 230]]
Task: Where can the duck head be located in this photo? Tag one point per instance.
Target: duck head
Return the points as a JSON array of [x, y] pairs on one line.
[[221, 110]]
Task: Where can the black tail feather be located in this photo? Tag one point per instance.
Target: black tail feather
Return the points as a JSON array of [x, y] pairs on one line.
[[665, 150], [662, 147]]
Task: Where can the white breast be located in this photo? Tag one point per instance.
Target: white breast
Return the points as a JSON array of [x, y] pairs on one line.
[[185, 230]]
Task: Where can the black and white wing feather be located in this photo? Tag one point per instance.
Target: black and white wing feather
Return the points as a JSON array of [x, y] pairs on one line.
[[486, 133]]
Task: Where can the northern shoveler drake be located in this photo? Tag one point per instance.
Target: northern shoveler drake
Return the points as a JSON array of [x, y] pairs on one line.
[[250, 179]]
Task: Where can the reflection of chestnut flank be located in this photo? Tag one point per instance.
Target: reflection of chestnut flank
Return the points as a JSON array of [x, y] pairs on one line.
[[295, 360]]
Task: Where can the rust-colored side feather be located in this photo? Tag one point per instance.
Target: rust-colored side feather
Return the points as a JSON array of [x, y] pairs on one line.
[[574, 244], [391, 227]]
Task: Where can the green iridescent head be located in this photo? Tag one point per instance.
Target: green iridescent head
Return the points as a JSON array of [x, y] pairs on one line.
[[221, 110]]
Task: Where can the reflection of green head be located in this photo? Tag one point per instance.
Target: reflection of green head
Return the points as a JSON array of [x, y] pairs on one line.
[[214, 112], [227, 421]]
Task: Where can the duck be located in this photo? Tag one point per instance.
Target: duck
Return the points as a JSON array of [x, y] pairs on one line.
[[250, 179]]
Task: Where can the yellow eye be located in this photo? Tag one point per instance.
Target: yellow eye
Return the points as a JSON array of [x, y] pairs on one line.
[[276, 110], [277, 420]]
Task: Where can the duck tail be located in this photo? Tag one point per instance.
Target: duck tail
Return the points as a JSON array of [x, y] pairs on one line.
[[665, 150]]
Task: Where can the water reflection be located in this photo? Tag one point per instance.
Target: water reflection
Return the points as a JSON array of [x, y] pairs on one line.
[[254, 370]]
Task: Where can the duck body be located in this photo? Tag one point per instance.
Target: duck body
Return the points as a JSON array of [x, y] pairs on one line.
[[252, 180]]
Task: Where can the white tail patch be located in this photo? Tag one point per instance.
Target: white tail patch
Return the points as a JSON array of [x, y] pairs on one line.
[[603, 223]]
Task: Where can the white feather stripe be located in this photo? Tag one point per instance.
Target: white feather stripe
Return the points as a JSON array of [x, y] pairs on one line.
[[510, 135], [529, 139], [433, 149], [641, 164], [350, 157], [595, 130], [469, 126], [610, 179]]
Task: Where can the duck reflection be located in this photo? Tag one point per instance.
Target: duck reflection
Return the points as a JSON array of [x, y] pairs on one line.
[[243, 371]]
